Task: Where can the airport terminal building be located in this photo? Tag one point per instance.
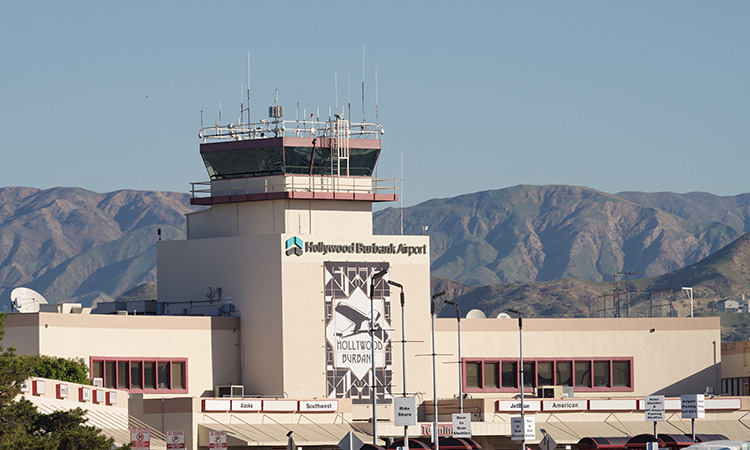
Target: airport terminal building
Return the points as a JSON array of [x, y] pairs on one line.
[[282, 312]]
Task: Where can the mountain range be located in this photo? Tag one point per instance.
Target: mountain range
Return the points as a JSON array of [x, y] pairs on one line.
[[71, 243], [542, 233]]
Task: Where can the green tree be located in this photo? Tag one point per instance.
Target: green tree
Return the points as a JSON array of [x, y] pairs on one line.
[[22, 426], [73, 370]]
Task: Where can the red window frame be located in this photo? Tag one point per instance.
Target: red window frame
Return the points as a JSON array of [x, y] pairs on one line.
[[554, 361], [143, 361]]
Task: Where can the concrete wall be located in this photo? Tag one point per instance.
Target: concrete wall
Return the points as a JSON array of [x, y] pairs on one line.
[[209, 343], [247, 269], [303, 217], [661, 362]]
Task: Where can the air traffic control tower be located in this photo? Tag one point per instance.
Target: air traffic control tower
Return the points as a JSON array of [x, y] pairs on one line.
[[286, 245]]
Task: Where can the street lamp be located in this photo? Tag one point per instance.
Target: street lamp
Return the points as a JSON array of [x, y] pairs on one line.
[[373, 381], [434, 377], [403, 353], [460, 363], [520, 364]]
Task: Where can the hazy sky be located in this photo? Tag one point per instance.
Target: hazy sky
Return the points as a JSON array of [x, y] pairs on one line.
[[631, 95]]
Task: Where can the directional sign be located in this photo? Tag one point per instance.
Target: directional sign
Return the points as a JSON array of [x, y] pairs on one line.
[[461, 425], [655, 408], [404, 411], [693, 406], [351, 442], [547, 443], [519, 431]]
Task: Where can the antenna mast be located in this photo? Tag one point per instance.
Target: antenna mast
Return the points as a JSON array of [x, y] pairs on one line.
[[249, 118], [336, 88], [363, 83], [376, 95], [349, 89]]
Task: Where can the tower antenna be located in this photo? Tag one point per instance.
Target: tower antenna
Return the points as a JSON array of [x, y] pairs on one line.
[[249, 118], [349, 89], [363, 83], [376, 95], [336, 88]]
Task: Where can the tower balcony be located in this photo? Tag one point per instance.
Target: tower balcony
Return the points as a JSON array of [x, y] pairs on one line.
[[307, 187]]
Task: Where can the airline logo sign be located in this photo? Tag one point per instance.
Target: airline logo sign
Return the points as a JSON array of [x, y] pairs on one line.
[[693, 406], [514, 405]]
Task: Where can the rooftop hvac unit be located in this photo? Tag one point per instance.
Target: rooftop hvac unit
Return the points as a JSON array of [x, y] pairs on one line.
[[232, 390], [550, 391]]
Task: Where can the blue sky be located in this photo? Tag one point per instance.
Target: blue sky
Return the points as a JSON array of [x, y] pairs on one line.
[[645, 96]]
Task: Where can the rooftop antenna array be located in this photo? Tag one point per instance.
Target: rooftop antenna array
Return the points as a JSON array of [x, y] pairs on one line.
[[337, 127]]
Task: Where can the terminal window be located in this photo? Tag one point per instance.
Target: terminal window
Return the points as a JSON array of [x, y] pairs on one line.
[[148, 375], [594, 374]]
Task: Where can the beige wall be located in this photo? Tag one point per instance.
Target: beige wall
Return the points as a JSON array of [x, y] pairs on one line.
[[304, 316], [247, 269], [735, 359], [661, 362], [202, 340], [303, 217]]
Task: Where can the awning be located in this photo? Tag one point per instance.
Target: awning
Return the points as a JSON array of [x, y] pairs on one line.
[[413, 443], [454, 444], [603, 443], [474, 444], [571, 432], [710, 437], [275, 434], [676, 441]]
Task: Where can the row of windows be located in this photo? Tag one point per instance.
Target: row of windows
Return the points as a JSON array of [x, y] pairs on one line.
[[142, 375], [594, 374], [735, 386], [286, 160]]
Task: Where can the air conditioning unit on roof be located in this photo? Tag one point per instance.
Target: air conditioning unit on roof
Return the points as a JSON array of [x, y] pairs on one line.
[[231, 390]]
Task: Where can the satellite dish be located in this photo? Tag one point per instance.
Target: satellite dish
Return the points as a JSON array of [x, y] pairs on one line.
[[210, 293], [476, 314], [26, 300], [504, 316]]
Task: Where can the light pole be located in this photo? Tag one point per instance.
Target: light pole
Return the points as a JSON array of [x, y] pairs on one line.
[[434, 377], [403, 354], [689, 292], [520, 364], [460, 363], [373, 381]]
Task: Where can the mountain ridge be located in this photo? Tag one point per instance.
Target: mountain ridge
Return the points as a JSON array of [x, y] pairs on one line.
[[529, 233]]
